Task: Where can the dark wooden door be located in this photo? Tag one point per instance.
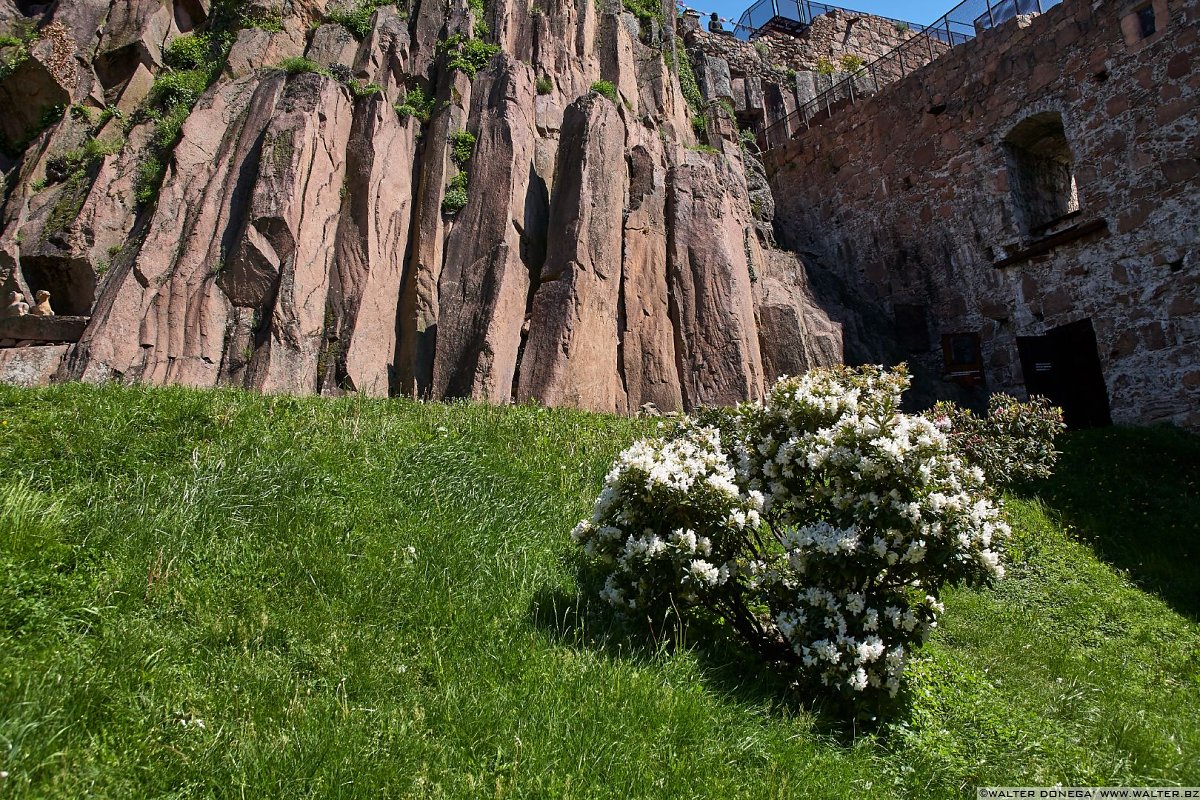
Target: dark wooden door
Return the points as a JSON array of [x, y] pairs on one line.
[[1064, 366]]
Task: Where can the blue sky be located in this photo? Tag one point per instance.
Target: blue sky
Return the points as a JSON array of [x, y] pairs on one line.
[[921, 11]]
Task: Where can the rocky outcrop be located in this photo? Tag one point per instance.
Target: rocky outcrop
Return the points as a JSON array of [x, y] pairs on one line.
[[439, 206], [711, 253], [795, 334], [571, 355], [484, 286]]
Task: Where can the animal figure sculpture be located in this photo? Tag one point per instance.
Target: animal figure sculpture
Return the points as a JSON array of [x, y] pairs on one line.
[[17, 307], [42, 308]]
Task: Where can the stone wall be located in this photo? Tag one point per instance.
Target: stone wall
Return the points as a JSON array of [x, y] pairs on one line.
[[925, 198], [829, 37], [767, 79]]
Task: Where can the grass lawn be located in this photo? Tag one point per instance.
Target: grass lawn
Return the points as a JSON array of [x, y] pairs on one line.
[[216, 594]]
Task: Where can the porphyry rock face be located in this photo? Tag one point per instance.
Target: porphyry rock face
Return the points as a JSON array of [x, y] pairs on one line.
[[410, 210]]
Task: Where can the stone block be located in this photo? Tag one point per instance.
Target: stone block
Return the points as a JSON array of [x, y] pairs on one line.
[[43, 329], [31, 366]]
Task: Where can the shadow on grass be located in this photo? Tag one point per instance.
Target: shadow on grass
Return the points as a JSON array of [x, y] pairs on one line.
[[1133, 494], [726, 668]]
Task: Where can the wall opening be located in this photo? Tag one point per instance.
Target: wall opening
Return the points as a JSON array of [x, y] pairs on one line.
[[962, 359], [1041, 173], [1064, 366]]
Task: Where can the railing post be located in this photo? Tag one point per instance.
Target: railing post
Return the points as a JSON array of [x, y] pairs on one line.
[[991, 16]]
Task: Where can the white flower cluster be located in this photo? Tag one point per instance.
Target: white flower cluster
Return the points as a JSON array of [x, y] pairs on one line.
[[831, 539], [633, 530]]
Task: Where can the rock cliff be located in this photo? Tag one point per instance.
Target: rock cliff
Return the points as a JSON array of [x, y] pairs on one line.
[[497, 200]]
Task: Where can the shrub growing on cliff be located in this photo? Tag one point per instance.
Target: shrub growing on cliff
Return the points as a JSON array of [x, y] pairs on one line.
[[356, 17], [297, 65], [605, 89], [820, 527], [14, 47], [852, 63], [466, 54], [190, 51], [687, 78], [456, 195], [462, 147], [416, 104]]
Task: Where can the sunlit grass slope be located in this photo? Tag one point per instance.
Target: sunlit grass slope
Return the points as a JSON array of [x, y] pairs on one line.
[[227, 595]]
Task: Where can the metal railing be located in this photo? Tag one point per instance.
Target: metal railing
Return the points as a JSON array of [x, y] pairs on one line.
[[799, 12], [962, 24]]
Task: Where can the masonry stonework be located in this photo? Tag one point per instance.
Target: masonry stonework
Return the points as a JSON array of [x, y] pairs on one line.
[[767, 79], [1040, 178]]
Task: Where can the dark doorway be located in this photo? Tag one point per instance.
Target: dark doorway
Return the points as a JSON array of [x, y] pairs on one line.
[[1064, 366]]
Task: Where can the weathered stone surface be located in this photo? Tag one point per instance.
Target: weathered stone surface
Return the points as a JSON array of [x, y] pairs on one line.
[[571, 353], [711, 247], [332, 44], [32, 89], [31, 366], [43, 329], [256, 48], [372, 240], [795, 333], [384, 55], [135, 33], [288, 243], [492, 249]]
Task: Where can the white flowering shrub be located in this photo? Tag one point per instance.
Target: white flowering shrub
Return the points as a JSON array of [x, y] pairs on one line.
[[821, 526]]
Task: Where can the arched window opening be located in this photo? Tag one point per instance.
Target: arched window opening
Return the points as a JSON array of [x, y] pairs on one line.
[[1041, 173]]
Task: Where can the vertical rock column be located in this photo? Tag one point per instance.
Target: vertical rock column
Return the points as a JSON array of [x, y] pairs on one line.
[[571, 354], [711, 245], [372, 243], [647, 338], [485, 280], [292, 224]]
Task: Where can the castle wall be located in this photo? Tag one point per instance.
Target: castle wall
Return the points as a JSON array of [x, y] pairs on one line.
[[767, 79], [937, 203]]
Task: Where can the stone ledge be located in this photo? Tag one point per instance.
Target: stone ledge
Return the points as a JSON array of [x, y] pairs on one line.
[[43, 329], [1048, 243]]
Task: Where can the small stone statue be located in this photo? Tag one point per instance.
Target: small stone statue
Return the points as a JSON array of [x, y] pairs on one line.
[[42, 309], [17, 307]]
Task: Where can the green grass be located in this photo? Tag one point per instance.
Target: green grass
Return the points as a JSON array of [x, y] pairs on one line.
[[173, 557]]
